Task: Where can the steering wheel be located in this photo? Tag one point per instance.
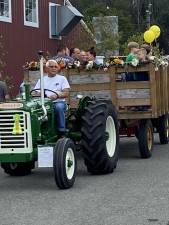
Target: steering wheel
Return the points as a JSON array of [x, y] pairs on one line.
[[38, 89]]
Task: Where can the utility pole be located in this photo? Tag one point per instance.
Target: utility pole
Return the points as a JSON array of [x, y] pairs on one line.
[[148, 15], [136, 4], [138, 15]]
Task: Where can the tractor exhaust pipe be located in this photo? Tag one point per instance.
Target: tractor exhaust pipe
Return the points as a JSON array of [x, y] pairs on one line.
[[40, 53]]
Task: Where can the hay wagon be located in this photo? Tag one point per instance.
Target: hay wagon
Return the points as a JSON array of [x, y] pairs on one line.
[[142, 105]]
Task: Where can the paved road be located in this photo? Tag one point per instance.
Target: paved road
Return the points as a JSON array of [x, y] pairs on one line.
[[137, 193]]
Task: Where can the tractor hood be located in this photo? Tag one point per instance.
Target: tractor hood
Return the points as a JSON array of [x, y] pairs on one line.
[[32, 105]]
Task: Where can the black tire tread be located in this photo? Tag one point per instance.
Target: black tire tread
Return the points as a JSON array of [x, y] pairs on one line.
[[93, 140], [59, 163], [142, 138], [162, 129], [22, 169]]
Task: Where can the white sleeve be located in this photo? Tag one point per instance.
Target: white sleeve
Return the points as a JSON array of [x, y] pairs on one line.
[[65, 83], [37, 86]]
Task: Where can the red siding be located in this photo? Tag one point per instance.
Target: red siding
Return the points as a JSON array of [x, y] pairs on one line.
[[22, 42]]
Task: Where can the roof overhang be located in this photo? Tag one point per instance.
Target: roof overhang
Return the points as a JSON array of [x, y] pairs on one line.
[[64, 19]]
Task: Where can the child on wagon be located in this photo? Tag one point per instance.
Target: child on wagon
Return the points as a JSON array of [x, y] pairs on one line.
[[132, 57]]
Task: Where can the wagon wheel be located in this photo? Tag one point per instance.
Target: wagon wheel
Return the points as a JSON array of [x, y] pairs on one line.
[[145, 138], [163, 129]]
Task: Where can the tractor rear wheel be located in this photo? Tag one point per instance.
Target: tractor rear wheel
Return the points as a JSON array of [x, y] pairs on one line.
[[64, 163], [18, 168], [163, 129], [145, 138], [100, 137]]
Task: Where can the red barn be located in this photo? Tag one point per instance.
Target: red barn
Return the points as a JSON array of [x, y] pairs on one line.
[[27, 26]]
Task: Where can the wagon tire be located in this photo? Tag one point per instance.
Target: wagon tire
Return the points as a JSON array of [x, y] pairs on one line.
[[145, 138], [163, 129]]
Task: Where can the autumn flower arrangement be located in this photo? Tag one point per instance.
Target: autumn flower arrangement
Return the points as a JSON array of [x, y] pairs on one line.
[[160, 61], [32, 66]]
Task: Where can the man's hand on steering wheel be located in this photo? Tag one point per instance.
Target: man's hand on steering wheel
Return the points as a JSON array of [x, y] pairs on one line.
[[52, 97]]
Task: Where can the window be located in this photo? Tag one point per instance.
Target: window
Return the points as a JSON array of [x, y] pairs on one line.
[[50, 22], [31, 13], [5, 11]]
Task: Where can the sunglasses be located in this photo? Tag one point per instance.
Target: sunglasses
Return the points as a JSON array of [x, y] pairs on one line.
[[53, 67]]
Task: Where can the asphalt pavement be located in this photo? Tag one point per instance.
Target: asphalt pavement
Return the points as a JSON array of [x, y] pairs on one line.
[[137, 193]]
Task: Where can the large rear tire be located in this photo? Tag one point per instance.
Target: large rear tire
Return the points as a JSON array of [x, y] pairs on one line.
[[163, 129], [64, 163], [145, 138], [100, 137], [18, 169]]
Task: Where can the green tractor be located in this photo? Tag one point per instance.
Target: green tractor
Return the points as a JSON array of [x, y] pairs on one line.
[[28, 133]]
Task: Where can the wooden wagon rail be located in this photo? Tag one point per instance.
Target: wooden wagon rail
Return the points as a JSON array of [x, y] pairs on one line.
[[127, 96]]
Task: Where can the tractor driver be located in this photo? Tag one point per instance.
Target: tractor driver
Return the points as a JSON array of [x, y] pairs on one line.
[[60, 85]]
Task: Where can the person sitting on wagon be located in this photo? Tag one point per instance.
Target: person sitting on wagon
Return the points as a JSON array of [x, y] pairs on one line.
[[91, 56], [75, 53], [142, 57], [148, 49], [133, 48], [83, 57], [63, 57], [59, 84], [131, 58]]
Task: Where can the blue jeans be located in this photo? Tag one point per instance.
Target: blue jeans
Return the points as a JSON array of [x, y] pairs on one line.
[[60, 109]]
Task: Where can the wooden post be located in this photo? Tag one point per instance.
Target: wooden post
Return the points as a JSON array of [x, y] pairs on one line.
[[153, 94], [168, 85], [165, 90], [66, 74], [158, 91], [113, 86]]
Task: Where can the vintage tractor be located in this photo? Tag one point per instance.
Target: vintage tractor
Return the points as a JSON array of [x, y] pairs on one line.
[[28, 133]]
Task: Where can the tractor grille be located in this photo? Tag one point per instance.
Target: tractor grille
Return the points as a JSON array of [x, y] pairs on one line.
[[15, 143]]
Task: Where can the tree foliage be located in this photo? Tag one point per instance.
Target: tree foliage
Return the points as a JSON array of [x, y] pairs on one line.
[[138, 37], [132, 16]]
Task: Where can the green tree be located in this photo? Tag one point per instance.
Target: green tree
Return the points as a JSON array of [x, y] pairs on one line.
[[107, 36], [138, 37], [132, 16]]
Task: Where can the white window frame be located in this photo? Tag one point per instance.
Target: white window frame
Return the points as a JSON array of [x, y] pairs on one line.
[[5, 18], [28, 23], [50, 35]]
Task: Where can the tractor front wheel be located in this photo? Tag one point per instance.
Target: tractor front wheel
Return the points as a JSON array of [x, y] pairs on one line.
[[64, 163], [18, 168]]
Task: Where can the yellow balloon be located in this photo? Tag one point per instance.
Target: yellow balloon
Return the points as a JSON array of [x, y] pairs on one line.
[[149, 36], [156, 30]]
